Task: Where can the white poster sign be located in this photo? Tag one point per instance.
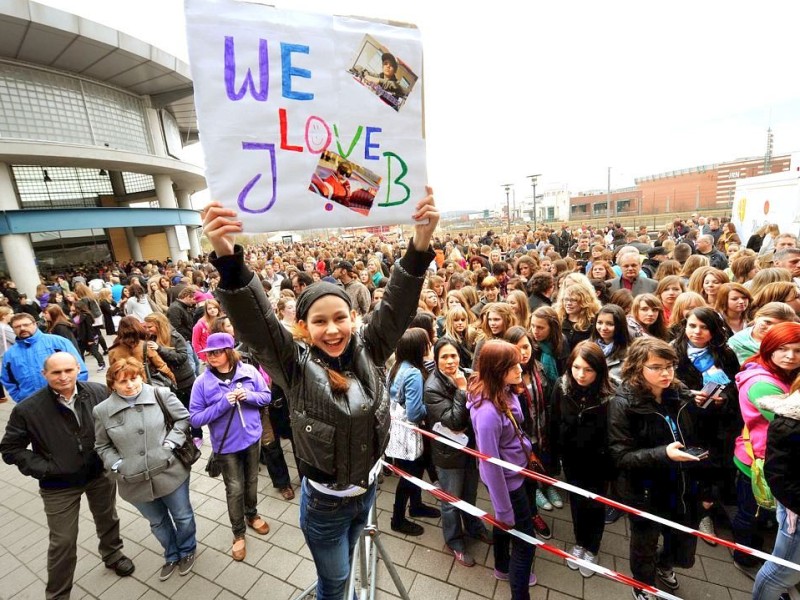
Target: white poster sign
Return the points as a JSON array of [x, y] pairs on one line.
[[307, 120]]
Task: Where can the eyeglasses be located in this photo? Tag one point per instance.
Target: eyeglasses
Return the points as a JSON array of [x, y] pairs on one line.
[[660, 368], [215, 352]]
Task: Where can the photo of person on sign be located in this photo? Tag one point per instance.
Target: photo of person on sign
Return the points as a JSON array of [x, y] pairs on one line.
[[345, 182]]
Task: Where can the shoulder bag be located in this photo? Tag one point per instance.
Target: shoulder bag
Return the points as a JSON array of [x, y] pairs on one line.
[[187, 452], [155, 378], [213, 466], [758, 480], [404, 443], [534, 463]]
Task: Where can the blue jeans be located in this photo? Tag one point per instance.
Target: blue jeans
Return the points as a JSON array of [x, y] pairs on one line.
[[462, 483], [518, 565], [748, 523], [240, 474], [331, 526], [773, 580], [172, 522]]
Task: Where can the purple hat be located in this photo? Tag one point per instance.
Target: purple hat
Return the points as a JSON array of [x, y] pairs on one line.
[[219, 341]]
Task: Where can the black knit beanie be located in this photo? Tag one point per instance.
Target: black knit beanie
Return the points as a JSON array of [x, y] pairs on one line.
[[316, 291]]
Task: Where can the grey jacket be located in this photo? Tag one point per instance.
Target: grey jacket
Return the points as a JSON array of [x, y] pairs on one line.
[[642, 285], [136, 435], [338, 437]]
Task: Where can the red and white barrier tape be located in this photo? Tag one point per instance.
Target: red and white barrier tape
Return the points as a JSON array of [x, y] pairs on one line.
[[483, 515], [602, 499]]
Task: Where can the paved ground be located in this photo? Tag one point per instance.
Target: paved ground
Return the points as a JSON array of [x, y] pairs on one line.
[[278, 566]]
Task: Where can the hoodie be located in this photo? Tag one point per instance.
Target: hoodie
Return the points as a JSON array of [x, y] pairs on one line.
[[755, 382]]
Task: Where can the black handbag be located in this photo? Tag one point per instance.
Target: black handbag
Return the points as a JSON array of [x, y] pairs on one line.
[[187, 452], [213, 466]]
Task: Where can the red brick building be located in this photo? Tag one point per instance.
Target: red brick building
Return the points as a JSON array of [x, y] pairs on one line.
[[696, 189]]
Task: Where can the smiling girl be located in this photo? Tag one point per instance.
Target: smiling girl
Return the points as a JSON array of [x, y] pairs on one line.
[[330, 369]]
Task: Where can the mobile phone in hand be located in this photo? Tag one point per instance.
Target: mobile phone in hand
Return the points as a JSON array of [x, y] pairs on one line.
[[700, 453]]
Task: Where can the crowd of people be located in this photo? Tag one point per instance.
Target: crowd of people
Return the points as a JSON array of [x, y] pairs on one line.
[[657, 368]]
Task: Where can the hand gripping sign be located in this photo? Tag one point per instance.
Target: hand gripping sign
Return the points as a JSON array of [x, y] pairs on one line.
[[307, 120]]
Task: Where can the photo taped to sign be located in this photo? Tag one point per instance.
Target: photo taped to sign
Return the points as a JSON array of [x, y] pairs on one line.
[[345, 182], [379, 70]]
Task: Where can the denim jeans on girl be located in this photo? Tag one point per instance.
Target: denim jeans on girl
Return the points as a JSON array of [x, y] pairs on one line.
[[172, 522], [462, 483], [519, 562], [331, 526], [773, 579]]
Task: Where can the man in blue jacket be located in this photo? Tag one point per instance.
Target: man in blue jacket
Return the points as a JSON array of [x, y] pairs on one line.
[[22, 362]]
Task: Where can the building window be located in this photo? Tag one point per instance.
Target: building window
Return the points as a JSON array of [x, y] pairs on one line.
[[600, 208], [580, 208], [59, 187], [624, 205], [44, 106]]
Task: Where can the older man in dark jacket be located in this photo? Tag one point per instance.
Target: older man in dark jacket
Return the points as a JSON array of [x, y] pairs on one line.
[[56, 422]]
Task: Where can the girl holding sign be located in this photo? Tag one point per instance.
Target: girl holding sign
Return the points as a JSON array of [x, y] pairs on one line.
[[332, 380]]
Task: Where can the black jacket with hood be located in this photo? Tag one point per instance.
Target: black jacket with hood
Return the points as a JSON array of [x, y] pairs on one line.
[[638, 435]]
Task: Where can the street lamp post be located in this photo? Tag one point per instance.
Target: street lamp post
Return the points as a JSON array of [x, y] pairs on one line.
[[507, 187], [533, 179]]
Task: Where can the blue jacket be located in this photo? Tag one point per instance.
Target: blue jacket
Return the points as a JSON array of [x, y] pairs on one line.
[[22, 363], [409, 379], [209, 406]]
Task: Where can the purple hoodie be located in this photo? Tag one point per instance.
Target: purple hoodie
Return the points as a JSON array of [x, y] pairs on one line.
[[209, 406], [496, 436]]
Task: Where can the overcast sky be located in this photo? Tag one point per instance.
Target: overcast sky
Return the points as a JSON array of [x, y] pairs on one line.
[[568, 89]]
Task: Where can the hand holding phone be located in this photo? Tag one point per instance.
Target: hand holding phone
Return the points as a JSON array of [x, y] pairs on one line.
[[699, 453]]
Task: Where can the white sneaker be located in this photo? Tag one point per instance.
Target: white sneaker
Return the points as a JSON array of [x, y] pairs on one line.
[[577, 552], [642, 595], [707, 526], [588, 557]]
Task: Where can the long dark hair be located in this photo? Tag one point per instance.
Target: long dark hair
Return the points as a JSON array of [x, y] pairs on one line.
[[716, 327], [622, 335], [514, 335], [593, 355], [411, 347], [556, 338]]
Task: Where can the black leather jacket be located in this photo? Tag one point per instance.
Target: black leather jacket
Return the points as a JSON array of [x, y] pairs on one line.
[[338, 437], [447, 404]]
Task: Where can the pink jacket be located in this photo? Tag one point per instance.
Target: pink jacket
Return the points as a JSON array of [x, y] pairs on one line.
[[199, 338], [756, 423]]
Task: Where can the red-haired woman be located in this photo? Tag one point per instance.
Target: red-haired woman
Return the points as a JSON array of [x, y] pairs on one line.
[[768, 373], [497, 420]]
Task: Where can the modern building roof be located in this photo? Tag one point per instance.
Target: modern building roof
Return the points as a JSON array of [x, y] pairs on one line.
[[46, 36]]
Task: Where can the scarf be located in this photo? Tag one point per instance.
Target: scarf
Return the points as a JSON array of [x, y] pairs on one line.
[[548, 361], [703, 361], [607, 348]]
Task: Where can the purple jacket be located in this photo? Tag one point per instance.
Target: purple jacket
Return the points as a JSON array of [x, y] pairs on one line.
[[209, 406], [496, 436]]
